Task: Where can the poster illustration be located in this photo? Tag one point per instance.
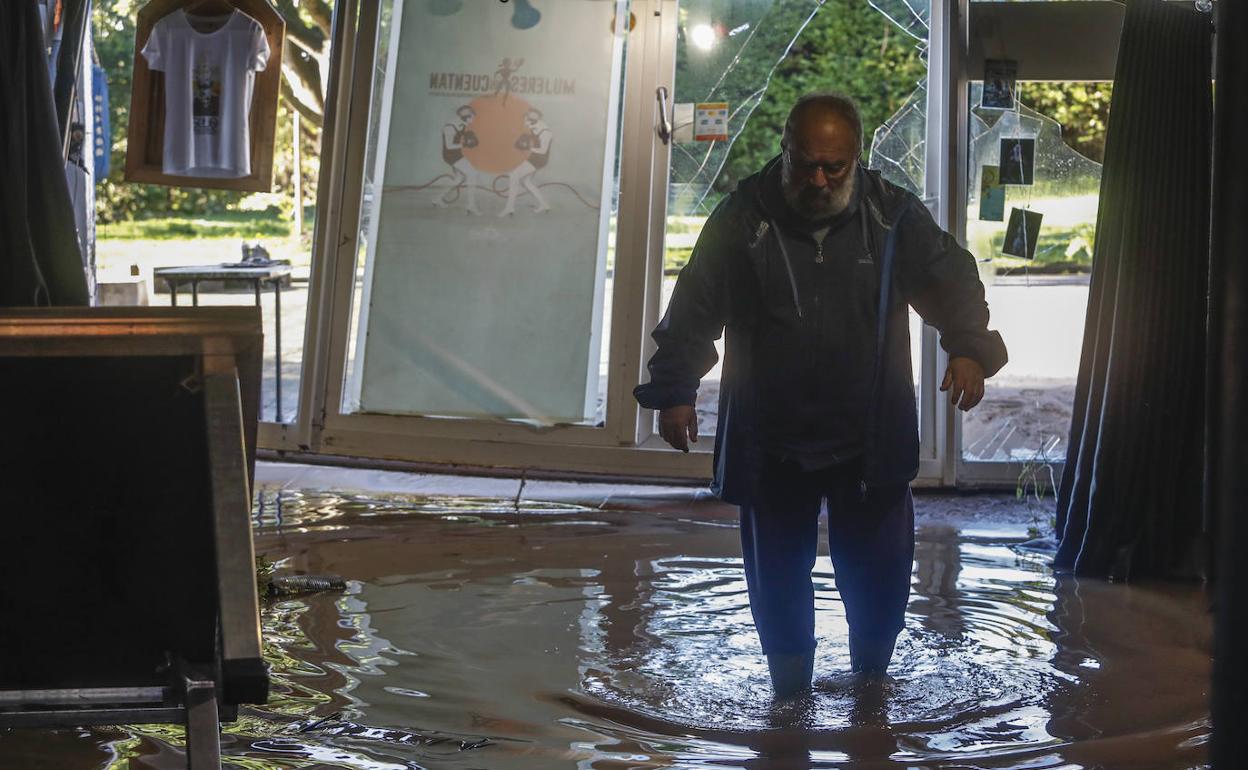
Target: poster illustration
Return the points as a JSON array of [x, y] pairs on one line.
[[206, 97], [489, 211]]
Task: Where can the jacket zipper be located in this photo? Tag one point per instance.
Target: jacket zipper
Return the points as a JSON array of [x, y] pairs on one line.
[[788, 266]]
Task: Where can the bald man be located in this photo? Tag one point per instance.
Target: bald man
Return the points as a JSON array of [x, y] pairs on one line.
[[809, 266]]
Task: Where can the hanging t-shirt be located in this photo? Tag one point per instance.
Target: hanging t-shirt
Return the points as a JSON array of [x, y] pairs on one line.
[[209, 77]]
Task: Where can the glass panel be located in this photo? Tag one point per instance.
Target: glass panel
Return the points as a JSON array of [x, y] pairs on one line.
[[488, 212], [1037, 304], [143, 228], [757, 57], [899, 146]]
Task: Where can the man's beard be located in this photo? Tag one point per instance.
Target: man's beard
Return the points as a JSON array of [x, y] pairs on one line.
[[819, 202]]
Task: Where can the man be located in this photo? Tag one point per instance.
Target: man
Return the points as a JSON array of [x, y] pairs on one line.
[[809, 266]]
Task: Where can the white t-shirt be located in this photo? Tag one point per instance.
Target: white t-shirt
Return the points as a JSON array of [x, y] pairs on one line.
[[209, 77]]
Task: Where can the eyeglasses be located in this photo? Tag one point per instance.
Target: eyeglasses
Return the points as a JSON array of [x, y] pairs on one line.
[[807, 168]]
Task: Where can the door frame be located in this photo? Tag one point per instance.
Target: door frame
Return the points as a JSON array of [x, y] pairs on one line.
[[626, 444]]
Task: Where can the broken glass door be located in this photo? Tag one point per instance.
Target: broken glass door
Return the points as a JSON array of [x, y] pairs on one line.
[[1031, 219], [739, 65]]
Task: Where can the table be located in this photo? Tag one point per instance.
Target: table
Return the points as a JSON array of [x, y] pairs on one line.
[[258, 275]]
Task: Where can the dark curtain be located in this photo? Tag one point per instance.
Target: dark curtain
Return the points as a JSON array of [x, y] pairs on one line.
[[1228, 415], [1130, 501], [40, 261]]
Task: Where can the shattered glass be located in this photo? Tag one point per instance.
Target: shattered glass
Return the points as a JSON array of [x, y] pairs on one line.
[[729, 50], [1066, 189], [910, 16], [899, 147], [729, 53], [1037, 305]]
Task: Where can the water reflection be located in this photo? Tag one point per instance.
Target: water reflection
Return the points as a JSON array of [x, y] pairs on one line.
[[522, 635]]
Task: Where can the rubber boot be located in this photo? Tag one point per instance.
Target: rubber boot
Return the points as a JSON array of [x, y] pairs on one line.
[[791, 673], [870, 656]]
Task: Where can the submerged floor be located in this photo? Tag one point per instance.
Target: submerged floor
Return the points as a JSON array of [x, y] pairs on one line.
[[479, 633]]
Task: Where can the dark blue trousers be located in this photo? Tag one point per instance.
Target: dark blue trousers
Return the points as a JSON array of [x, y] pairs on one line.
[[871, 540]]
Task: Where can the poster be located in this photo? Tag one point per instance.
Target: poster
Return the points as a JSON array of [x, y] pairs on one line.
[[488, 212], [710, 122], [991, 194]]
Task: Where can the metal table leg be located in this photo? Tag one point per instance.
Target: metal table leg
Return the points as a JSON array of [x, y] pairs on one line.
[[203, 726], [173, 291], [277, 342], [194, 293]]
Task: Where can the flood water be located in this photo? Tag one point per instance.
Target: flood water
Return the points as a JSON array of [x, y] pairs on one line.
[[478, 634]]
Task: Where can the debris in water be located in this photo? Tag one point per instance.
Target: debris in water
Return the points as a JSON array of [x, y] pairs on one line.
[[333, 725], [293, 585], [273, 586]]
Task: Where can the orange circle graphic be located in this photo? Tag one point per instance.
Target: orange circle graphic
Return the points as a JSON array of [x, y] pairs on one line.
[[498, 124]]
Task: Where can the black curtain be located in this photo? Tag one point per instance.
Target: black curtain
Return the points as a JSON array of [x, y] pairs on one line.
[[40, 261], [1130, 501], [1228, 415]]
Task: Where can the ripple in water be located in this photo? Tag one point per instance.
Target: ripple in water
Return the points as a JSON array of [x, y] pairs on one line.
[[494, 634]]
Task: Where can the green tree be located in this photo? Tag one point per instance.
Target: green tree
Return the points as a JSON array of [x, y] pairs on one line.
[[848, 47], [305, 60], [1082, 108]]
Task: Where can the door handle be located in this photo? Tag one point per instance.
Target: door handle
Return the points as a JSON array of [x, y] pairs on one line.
[[665, 123]]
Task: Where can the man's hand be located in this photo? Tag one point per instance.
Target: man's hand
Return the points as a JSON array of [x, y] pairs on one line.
[[678, 425], [965, 380]]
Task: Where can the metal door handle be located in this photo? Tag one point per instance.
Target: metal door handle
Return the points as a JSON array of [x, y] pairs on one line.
[[665, 123]]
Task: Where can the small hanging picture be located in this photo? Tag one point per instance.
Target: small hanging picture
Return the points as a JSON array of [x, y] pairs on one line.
[[710, 122], [999, 78], [1022, 233], [1018, 161], [991, 194]]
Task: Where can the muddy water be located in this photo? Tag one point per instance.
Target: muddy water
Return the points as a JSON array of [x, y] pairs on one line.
[[475, 635]]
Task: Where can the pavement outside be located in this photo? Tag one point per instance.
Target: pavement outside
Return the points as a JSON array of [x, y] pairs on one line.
[[1026, 410]]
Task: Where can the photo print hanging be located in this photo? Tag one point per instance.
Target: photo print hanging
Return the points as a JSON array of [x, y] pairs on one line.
[[999, 80], [1022, 233], [1018, 161], [991, 194]]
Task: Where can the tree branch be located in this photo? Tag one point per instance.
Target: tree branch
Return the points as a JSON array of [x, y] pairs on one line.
[[303, 46], [321, 14], [298, 29], [308, 111], [308, 72]]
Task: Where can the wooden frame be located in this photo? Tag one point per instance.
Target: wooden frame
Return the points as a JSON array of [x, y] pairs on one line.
[[145, 147]]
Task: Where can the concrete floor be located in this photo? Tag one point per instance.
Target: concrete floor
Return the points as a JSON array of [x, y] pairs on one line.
[[993, 510]]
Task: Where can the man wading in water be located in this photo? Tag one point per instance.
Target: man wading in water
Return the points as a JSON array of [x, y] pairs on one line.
[[810, 266]]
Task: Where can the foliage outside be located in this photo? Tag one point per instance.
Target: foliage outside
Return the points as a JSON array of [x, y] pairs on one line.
[[848, 47], [304, 65]]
